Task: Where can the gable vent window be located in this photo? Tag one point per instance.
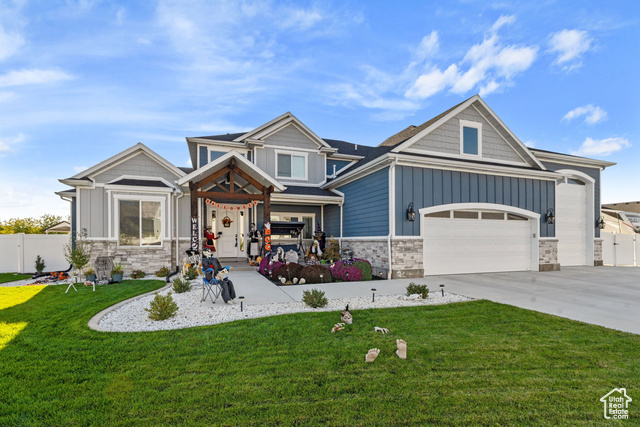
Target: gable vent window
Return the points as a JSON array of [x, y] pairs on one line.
[[470, 138], [291, 166]]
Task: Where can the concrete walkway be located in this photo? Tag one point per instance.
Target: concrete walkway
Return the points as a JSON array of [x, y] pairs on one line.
[[606, 296]]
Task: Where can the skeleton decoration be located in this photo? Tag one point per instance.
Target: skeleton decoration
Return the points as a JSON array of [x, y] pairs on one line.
[[346, 316], [383, 330], [337, 327]]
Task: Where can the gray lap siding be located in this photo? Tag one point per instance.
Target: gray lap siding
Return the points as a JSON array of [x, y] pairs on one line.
[[431, 187]]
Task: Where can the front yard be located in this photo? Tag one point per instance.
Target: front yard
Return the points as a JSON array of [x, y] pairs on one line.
[[12, 277], [476, 363]]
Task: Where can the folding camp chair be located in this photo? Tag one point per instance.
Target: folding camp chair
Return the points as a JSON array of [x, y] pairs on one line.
[[212, 288]]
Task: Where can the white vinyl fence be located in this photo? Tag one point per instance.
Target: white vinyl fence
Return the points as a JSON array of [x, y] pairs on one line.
[[620, 249], [18, 252]]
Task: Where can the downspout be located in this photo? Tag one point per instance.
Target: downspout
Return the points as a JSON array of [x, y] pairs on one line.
[[392, 211], [178, 223]]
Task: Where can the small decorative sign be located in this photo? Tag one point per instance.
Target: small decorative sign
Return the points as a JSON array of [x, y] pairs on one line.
[[267, 236], [195, 236], [217, 205]]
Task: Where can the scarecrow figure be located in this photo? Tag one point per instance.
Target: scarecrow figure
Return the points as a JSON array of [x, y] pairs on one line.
[[314, 251]]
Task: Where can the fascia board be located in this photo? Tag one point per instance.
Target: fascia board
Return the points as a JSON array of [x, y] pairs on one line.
[[373, 166], [407, 160], [251, 133], [215, 142], [339, 156], [76, 182], [304, 199], [571, 160]]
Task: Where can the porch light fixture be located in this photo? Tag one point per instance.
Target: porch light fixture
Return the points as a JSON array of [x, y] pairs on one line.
[[373, 291], [411, 215], [600, 223], [549, 217]]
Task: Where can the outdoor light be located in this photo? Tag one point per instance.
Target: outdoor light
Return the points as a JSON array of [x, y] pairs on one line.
[[241, 300], [241, 213], [442, 288], [321, 276], [373, 291], [411, 215], [600, 223], [549, 217]]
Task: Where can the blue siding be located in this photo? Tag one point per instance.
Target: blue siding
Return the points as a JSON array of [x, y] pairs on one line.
[[432, 187], [366, 205], [593, 173], [203, 156], [332, 220], [339, 165]]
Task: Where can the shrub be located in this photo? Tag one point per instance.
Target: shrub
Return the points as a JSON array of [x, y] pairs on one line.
[[273, 267], [39, 264], [288, 271], [366, 271], [346, 273], [162, 307], [314, 298], [163, 272], [137, 274], [421, 290], [180, 286], [192, 273], [79, 255], [332, 251], [311, 274]]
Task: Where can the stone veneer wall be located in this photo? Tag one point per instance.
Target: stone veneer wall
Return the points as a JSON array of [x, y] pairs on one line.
[[374, 251], [146, 259], [406, 258], [598, 259], [548, 255]]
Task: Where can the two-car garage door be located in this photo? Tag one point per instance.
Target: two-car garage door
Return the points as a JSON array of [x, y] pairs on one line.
[[476, 241]]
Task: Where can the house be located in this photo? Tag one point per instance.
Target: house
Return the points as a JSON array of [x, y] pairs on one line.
[[459, 193]]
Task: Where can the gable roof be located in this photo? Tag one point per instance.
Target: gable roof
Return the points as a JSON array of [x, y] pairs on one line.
[[552, 156], [128, 153], [424, 129]]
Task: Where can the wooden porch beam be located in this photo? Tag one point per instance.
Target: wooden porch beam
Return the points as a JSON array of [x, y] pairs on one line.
[[211, 177]]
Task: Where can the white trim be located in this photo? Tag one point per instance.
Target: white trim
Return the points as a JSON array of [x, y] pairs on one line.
[[364, 170], [571, 160], [136, 189], [280, 123], [322, 217], [398, 238], [392, 199], [305, 199], [472, 125], [366, 238], [591, 221], [164, 219], [463, 157], [289, 148], [498, 132], [350, 157], [224, 150], [534, 220], [126, 155], [304, 155]]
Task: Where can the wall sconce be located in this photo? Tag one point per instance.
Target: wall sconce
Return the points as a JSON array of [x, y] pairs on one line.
[[373, 291], [600, 223], [411, 215], [241, 213], [549, 217]]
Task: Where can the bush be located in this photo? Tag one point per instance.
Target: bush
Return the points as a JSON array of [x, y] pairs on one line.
[[288, 271], [264, 263], [421, 290], [314, 298], [39, 264], [273, 267], [332, 251], [180, 286], [162, 307], [346, 273], [366, 271], [192, 273], [311, 274], [137, 274], [163, 272]]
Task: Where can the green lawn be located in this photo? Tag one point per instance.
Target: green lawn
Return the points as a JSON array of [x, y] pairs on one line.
[[475, 363], [12, 277]]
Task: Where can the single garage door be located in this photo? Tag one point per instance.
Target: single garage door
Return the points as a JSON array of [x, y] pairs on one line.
[[571, 223], [457, 242]]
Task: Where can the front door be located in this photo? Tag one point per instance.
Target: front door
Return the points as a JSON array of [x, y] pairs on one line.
[[228, 245]]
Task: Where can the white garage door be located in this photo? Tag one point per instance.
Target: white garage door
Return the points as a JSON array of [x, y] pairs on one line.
[[571, 223], [458, 242]]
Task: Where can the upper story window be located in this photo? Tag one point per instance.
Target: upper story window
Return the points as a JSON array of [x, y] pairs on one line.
[[292, 166], [470, 138]]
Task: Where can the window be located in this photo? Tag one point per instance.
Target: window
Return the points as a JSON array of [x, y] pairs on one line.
[[291, 166], [465, 214], [441, 214], [308, 219], [470, 138], [140, 223]]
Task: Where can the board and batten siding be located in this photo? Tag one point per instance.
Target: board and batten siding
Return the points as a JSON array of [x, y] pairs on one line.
[[93, 211], [366, 205], [591, 172], [332, 221], [431, 187]]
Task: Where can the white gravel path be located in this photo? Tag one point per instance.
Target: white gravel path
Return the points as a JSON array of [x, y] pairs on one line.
[[131, 317]]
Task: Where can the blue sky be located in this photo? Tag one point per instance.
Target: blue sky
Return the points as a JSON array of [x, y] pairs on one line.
[[83, 80]]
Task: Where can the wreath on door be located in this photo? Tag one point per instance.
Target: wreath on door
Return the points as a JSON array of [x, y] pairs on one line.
[[226, 222]]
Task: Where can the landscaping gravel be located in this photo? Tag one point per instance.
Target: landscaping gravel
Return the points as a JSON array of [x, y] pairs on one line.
[[131, 317]]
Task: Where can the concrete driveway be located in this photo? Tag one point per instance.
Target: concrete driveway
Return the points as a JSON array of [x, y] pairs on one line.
[[605, 296]]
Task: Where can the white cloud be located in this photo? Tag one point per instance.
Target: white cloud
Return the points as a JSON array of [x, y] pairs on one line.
[[7, 143], [592, 114], [428, 46], [33, 76], [530, 144], [570, 46], [10, 42], [486, 67], [602, 147]]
